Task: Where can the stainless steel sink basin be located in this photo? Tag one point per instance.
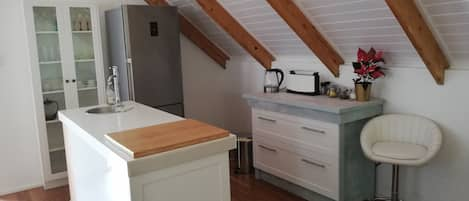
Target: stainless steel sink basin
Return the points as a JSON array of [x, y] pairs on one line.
[[109, 109]]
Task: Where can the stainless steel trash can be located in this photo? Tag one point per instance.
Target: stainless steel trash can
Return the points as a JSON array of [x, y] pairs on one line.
[[244, 156]]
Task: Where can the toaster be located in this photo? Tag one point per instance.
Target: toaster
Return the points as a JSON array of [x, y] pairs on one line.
[[303, 82]]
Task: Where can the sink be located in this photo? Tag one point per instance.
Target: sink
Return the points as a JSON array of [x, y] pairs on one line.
[[109, 109]]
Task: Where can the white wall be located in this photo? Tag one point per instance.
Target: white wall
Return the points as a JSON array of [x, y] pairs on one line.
[[410, 90], [202, 94], [20, 166], [19, 150], [214, 95], [414, 91]]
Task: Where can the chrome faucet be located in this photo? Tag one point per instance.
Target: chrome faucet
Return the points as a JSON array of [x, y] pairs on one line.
[[113, 80]]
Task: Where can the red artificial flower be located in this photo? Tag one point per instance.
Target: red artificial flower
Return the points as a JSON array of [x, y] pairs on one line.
[[371, 68], [362, 55], [371, 54], [377, 74], [361, 71], [379, 55], [368, 64]]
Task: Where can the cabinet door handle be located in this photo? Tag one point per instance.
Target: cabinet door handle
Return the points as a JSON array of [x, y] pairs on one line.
[[267, 119], [267, 148], [313, 130], [313, 163], [67, 81], [74, 80]]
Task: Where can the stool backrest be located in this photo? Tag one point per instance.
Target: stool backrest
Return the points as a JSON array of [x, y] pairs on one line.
[[405, 128]]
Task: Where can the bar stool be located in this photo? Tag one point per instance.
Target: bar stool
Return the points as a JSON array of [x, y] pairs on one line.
[[399, 139]]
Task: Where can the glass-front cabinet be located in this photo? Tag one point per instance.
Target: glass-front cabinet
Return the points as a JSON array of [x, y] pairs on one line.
[[70, 71]]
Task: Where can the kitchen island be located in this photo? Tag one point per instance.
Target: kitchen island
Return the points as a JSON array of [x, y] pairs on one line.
[[100, 169]]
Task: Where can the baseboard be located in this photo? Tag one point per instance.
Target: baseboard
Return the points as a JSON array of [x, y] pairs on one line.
[[19, 189], [290, 187], [56, 183]]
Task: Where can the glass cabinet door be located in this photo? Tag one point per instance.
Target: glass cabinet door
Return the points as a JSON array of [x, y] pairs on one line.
[[84, 55], [48, 48], [51, 72]]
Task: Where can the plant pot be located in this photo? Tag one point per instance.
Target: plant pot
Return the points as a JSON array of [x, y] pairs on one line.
[[363, 91]]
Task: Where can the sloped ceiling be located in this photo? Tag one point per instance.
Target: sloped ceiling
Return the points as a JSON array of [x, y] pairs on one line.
[[347, 24], [451, 20]]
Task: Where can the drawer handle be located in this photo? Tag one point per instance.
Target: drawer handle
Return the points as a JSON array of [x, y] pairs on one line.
[[313, 163], [313, 130], [267, 119], [267, 148]]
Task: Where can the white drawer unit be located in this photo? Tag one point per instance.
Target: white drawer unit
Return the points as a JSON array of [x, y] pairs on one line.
[[315, 134], [311, 145], [307, 149], [318, 172]]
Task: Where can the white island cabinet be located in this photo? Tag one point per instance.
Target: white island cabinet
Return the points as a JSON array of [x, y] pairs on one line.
[[99, 170]]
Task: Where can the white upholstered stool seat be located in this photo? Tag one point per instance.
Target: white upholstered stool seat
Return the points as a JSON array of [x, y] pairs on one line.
[[399, 150], [401, 139], [398, 139]]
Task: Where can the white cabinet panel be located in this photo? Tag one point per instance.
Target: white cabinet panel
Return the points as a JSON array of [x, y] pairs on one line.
[[310, 145], [314, 172], [69, 68], [315, 134], [202, 180]]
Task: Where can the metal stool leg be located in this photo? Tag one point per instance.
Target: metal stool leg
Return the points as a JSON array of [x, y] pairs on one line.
[[376, 198], [395, 183], [395, 186]]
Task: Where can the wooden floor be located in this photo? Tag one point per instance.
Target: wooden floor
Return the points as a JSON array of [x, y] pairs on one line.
[[247, 188], [38, 194], [243, 188]]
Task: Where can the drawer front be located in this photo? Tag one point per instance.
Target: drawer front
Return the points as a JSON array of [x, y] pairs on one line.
[[316, 134], [315, 173]]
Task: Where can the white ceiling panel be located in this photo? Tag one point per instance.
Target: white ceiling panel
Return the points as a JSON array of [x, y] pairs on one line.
[[192, 10], [451, 21], [347, 24], [353, 24], [260, 19], [448, 7]]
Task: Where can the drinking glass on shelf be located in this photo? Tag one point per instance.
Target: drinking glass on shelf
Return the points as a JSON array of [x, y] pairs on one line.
[[91, 83], [46, 86], [57, 84], [51, 54], [85, 25], [81, 84], [78, 24], [43, 53]]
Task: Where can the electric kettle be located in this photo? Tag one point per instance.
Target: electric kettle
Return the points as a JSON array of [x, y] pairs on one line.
[[273, 78]]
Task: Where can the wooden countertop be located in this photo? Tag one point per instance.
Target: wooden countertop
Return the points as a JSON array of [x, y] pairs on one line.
[[150, 140]]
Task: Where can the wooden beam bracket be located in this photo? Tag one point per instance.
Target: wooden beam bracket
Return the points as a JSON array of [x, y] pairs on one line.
[[298, 22], [196, 36], [421, 36], [223, 18]]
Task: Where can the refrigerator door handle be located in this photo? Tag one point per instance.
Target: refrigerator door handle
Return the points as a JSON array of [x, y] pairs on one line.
[[130, 72]]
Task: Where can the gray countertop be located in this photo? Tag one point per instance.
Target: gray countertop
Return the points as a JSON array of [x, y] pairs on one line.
[[318, 103]]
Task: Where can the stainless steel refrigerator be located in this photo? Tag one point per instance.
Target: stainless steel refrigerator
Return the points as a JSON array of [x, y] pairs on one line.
[[144, 43]]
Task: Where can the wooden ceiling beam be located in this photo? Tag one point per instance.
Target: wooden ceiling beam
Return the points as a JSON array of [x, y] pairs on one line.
[[196, 36], [422, 38], [298, 22], [223, 18]]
